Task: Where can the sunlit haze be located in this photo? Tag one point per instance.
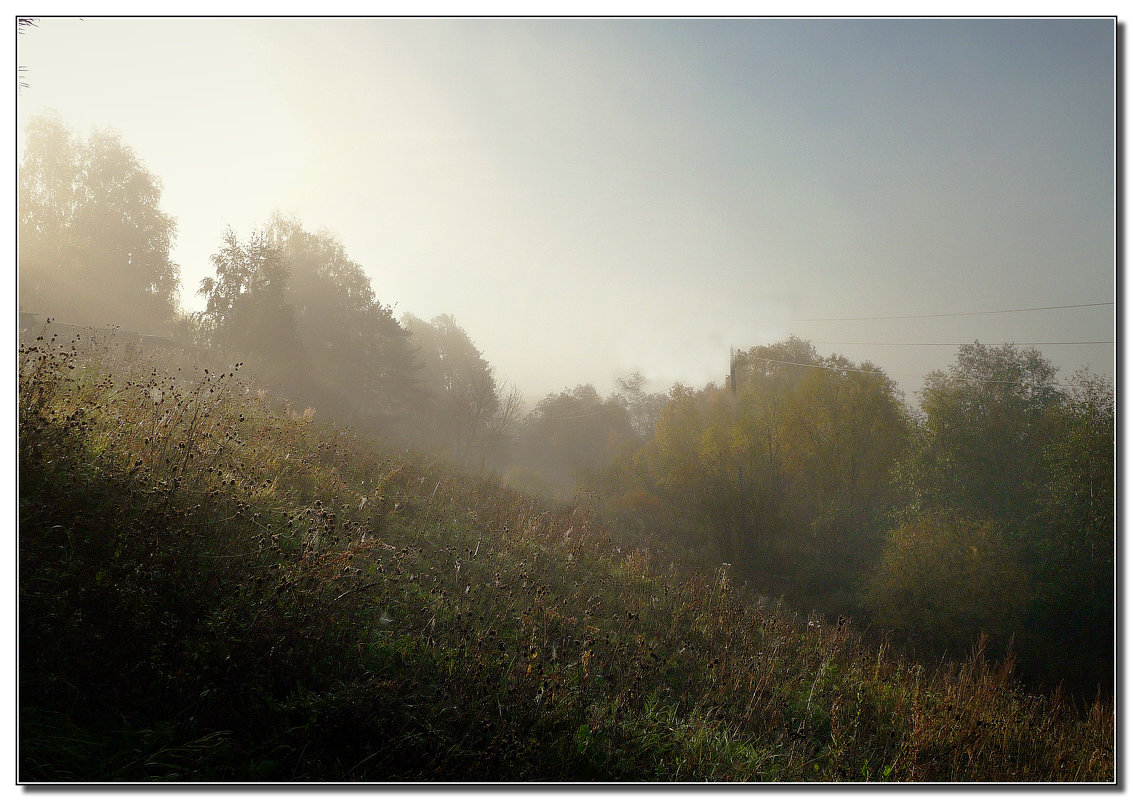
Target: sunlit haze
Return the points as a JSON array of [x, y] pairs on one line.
[[572, 399], [592, 197]]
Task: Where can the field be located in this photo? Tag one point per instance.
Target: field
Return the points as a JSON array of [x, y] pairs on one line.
[[216, 587]]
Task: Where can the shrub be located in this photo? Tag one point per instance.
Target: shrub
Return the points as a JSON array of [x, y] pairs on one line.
[[945, 579]]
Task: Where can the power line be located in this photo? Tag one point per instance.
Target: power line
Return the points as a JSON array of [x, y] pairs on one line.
[[952, 314], [957, 344], [819, 366], [574, 416], [887, 375]]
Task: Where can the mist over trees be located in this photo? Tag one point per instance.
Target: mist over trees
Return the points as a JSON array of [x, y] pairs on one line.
[[461, 400], [357, 356], [986, 510], [790, 470], [571, 436], [93, 242], [985, 507], [247, 314]]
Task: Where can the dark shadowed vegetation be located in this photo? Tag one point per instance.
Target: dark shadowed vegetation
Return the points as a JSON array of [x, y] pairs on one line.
[[292, 537], [215, 587]]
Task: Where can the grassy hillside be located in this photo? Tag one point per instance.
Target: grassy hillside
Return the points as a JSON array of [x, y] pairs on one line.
[[213, 589]]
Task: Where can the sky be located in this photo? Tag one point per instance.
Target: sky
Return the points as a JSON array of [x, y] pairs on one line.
[[591, 197]]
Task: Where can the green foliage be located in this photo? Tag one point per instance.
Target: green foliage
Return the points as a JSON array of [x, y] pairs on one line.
[[247, 312], [943, 580], [786, 474], [572, 436], [213, 589], [94, 244], [360, 360], [463, 402], [985, 419], [1079, 470], [1072, 546], [1001, 441]]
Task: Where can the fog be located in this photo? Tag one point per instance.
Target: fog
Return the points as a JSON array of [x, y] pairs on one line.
[[825, 306], [592, 197]]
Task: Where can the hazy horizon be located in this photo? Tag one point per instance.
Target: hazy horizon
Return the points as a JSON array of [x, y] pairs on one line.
[[592, 197]]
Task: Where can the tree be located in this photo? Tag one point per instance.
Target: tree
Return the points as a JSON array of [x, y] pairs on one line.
[[642, 407], [463, 400], [785, 471], [503, 428], [361, 364], [94, 244], [979, 449], [1078, 457], [247, 312], [1072, 542], [47, 199], [1000, 441], [842, 433], [573, 435], [678, 434]]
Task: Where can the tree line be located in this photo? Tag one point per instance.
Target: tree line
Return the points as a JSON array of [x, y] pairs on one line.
[[288, 302], [986, 506]]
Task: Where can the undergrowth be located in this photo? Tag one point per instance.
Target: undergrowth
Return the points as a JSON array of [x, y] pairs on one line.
[[215, 588]]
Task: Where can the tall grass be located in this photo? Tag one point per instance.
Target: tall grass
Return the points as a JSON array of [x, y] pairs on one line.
[[214, 587]]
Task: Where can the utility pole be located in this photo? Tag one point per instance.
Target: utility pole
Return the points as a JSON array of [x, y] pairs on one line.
[[732, 370], [741, 515]]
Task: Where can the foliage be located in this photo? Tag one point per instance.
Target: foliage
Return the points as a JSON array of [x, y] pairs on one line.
[[1072, 548], [305, 316], [642, 407], [944, 580], [94, 244], [573, 435], [785, 475], [1078, 461], [213, 589], [360, 360], [989, 509], [461, 414], [247, 312], [1001, 441], [985, 419]]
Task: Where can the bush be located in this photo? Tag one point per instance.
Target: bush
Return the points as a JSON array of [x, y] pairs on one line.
[[945, 579]]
